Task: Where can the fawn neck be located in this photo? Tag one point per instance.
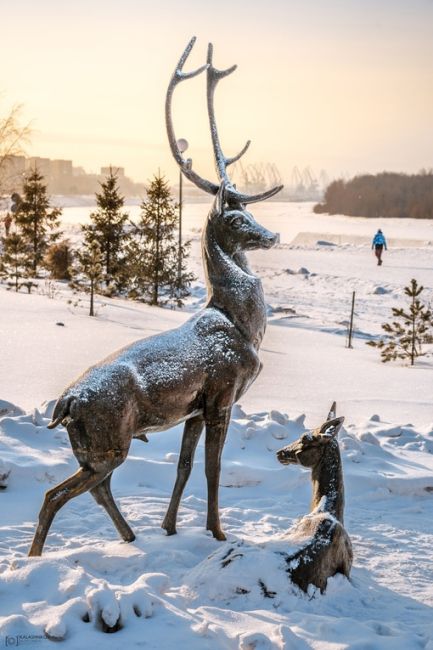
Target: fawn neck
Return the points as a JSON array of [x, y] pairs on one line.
[[232, 287], [327, 479]]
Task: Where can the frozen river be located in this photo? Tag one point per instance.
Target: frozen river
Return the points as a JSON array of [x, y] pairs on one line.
[[290, 219]]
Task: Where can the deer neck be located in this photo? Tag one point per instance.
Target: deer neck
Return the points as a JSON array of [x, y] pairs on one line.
[[232, 288], [327, 479]]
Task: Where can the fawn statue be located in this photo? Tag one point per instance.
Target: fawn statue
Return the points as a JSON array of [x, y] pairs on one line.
[[312, 550], [191, 374], [328, 549]]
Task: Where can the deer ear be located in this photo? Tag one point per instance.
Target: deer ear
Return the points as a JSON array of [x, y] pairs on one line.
[[330, 428], [220, 198]]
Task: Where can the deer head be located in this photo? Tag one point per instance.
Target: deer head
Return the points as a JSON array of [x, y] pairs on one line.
[[236, 200], [308, 450], [234, 228]]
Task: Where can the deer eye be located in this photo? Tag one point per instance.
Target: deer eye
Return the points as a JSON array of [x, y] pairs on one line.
[[237, 222]]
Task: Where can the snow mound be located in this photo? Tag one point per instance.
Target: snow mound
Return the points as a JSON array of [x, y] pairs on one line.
[[380, 291], [246, 570], [7, 408], [201, 592], [73, 598], [301, 271]]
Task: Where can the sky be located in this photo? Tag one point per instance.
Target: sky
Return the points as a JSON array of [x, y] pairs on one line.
[[340, 85]]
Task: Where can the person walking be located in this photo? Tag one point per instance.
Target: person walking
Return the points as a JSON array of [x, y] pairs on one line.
[[379, 243], [7, 222]]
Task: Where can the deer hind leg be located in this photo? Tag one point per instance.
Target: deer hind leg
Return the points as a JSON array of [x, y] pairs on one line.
[[103, 496], [191, 435], [216, 431], [80, 482]]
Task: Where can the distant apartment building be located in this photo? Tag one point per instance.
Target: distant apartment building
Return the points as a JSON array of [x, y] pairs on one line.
[[43, 165], [12, 170], [61, 176], [61, 168]]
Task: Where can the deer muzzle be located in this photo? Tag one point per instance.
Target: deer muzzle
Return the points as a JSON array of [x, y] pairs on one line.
[[261, 238], [270, 239], [287, 455]]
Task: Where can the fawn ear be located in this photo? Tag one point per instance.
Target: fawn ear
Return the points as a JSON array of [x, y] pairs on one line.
[[332, 411], [330, 428]]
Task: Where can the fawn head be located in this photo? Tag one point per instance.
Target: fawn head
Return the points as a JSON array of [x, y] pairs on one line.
[[310, 447]]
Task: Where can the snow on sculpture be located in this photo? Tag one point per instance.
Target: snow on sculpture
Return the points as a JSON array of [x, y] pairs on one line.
[[315, 548], [329, 549], [193, 373]]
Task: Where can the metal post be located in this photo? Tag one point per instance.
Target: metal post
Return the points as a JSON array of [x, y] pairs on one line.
[[179, 252], [351, 321], [182, 145]]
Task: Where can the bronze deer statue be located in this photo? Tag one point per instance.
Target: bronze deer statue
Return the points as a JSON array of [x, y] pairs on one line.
[[191, 374], [328, 549]]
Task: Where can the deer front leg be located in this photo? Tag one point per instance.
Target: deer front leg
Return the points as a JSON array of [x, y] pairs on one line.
[[216, 430], [103, 496], [190, 438], [81, 481]]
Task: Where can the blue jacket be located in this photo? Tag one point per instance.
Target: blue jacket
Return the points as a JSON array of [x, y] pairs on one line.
[[379, 240]]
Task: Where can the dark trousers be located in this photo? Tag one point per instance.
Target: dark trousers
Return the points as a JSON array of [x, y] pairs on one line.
[[378, 252]]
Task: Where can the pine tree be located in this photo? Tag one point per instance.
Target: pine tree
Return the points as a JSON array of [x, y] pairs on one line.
[[108, 227], [58, 260], [153, 254], [16, 260], [405, 337], [90, 265], [35, 220]]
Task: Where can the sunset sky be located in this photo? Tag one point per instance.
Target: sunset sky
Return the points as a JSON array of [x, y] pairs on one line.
[[343, 85]]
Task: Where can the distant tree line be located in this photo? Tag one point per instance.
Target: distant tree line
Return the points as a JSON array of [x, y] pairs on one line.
[[384, 195], [115, 258]]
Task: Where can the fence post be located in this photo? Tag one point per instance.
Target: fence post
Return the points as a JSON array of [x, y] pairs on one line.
[[349, 345]]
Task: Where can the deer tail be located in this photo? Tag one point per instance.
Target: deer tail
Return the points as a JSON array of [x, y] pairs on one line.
[[61, 410]]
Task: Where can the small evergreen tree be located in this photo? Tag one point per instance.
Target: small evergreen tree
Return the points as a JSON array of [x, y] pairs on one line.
[[406, 335], [58, 260], [153, 254], [16, 260], [90, 265], [108, 227], [35, 220]]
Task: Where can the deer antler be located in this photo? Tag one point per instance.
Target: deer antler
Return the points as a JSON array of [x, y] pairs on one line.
[[213, 76], [185, 165]]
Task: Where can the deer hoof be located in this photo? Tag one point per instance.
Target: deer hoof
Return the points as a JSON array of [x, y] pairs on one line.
[[170, 530], [219, 535], [35, 550]]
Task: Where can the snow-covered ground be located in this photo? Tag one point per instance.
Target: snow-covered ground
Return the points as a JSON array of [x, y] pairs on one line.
[[174, 592]]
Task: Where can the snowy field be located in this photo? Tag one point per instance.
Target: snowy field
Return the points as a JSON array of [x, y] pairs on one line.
[[174, 592]]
